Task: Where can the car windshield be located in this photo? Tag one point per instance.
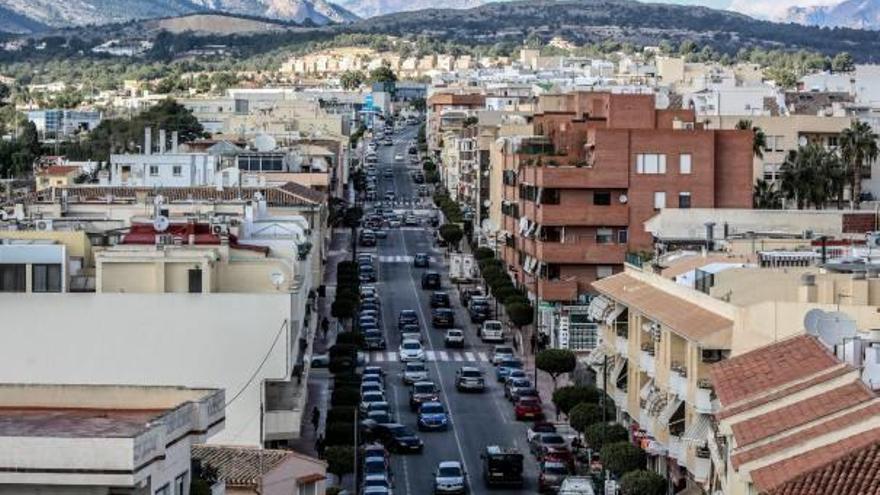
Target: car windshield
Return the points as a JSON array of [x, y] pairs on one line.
[[529, 401], [401, 431], [373, 397], [449, 472], [552, 439], [377, 481], [374, 466], [424, 388], [454, 333], [512, 364], [522, 383], [372, 334], [493, 325], [412, 346], [432, 409], [504, 350], [410, 328], [471, 373], [414, 367]]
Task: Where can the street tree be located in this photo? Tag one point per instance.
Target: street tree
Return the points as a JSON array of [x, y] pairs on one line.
[[520, 314], [586, 414], [565, 398], [642, 482], [556, 362], [600, 434], [622, 457], [340, 460], [452, 234]]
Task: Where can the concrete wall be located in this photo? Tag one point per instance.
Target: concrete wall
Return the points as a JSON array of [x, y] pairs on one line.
[[282, 479], [195, 340]]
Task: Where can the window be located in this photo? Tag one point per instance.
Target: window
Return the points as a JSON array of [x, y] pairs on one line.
[[684, 163], [180, 484], [622, 236], [832, 141], [308, 489], [46, 278], [13, 278], [164, 490], [601, 198], [195, 280], [154, 170], [603, 271], [775, 143], [551, 234], [650, 164], [659, 200], [550, 196], [177, 170], [604, 236], [684, 200]]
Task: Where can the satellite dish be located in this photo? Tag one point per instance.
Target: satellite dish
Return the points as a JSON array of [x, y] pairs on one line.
[[264, 143], [835, 328], [812, 319], [161, 223], [277, 279], [802, 141], [623, 199]]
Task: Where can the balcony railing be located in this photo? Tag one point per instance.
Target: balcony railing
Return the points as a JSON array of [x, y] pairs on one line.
[[585, 215], [703, 402], [702, 464], [646, 360]]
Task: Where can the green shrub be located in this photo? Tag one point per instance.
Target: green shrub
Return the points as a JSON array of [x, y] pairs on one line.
[[584, 415], [350, 338], [340, 415], [565, 398], [642, 482], [339, 433], [622, 457], [484, 253], [345, 397], [598, 435]]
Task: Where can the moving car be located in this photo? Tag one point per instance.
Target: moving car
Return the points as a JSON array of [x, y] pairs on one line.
[[479, 309], [410, 220], [454, 338], [414, 372], [398, 157], [432, 416], [399, 438], [502, 353], [551, 475], [431, 281], [449, 478], [413, 332], [528, 408], [440, 300], [421, 260], [367, 238], [407, 317], [502, 466], [443, 318], [492, 331], [411, 350], [469, 378], [422, 392]]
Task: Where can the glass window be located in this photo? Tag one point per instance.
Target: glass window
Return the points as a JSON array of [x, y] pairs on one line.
[[684, 163], [659, 200], [550, 197], [164, 490], [684, 200], [180, 484], [601, 198], [177, 170], [154, 170], [651, 164], [13, 278], [603, 271], [46, 278], [604, 236], [622, 236]]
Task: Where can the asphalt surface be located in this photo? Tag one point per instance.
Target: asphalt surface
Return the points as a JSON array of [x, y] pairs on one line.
[[476, 420]]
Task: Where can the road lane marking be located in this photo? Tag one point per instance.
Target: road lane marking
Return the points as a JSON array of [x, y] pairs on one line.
[[457, 356], [443, 355], [483, 356], [469, 356], [392, 356], [431, 356]]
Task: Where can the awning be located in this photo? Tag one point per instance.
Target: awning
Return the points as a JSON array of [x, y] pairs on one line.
[[656, 403], [697, 431], [611, 317], [619, 365], [669, 411], [599, 307], [645, 392], [597, 356]]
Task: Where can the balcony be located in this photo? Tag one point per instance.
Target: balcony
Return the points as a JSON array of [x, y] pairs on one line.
[[558, 290], [676, 448], [702, 464], [621, 344], [283, 410], [579, 215], [574, 252], [678, 381], [566, 176], [646, 359], [703, 402]]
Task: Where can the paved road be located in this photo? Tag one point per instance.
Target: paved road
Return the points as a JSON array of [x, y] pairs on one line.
[[477, 420]]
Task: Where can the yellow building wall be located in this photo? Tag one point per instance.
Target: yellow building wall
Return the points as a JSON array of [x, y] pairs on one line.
[[130, 277], [76, 241]]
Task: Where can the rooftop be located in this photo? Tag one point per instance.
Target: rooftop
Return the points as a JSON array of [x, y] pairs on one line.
[[243, 466], [74, 423], [854, 474]]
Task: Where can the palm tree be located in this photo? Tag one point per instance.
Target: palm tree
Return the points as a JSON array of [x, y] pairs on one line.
[[766, 196], [858, 148], [810, 176], [759, 140]]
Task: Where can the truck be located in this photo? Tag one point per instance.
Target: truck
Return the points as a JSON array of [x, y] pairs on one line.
[[502, 466], [462, 267]]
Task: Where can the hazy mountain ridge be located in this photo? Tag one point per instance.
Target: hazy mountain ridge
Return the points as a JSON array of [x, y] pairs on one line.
[[857, 14], [373, 8], [22, 16]]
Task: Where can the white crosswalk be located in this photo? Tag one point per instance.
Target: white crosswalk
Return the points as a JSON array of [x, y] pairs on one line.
[[440, 356], [401, 259]]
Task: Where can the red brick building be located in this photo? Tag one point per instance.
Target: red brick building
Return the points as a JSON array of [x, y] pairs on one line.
[[577, 193]]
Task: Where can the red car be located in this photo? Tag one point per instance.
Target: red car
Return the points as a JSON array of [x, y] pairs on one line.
[[528, 408]]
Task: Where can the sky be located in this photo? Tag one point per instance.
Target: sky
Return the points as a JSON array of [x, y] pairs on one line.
[[763, 9]]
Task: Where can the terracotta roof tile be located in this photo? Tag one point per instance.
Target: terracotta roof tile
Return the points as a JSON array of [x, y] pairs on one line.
[[852, 453], [684, 318], [857, 473], [242, 466], [758, 372], [800, 413], [59, 170], [289, 194]]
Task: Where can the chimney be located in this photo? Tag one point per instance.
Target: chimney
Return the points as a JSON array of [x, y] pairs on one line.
[[162, 141], [174, 142], [148, 141]]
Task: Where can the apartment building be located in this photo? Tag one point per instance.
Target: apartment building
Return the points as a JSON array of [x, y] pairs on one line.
[[664, 328], [166, 167], [70, 439], [447, 112], [56, 175], [62, 123], [577, 192]]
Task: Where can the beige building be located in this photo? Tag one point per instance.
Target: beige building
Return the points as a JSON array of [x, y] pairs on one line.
[[662, 333], [57, 176], [251, 471]]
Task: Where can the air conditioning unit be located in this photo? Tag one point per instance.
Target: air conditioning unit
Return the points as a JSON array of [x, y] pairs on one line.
[[220, 229], [43, 225]]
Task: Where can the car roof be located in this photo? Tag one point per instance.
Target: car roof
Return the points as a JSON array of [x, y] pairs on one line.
[[424, 382], [469, 368], [410, 341], [443, 464], [407, 311]]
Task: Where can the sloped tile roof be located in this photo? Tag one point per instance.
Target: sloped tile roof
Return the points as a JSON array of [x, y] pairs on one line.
[[239, 466], [857, 473], [684, 318], [758, 372], [290, 194]]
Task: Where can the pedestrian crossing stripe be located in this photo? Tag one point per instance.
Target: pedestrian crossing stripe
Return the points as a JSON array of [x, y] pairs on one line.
[[439, 356], [401, 259]]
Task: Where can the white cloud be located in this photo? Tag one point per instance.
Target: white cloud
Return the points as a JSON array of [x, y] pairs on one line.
[[774, 9]]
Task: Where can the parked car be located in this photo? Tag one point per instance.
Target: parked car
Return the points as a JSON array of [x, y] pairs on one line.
[[422, 392], [469, 378], [411, 350], [413, 332], [528, 408], [454, 338], [515, 374], [367, 238], [450, 478], [513, 386], [421, 260], [505, 367], [551, 475], [375, 465], [431, 281], [492, 330], [440, 300], [369, 398], [413, 372], [521, 393], [443, 318], [549, 444], [374, 339], [432, 416]]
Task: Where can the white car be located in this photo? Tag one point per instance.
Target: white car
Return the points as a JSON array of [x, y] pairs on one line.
[[502, 352], [415, 372], [454, 338], [411, 350], [492, 330], [449, 478], [398, 157]]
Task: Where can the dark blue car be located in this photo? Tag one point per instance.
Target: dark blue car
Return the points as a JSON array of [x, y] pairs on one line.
[[432, 416]]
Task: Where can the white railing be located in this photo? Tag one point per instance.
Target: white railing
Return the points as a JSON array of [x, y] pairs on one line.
[[678, 384], [646, 362], [676, 448], [621, 345], [703, 402]]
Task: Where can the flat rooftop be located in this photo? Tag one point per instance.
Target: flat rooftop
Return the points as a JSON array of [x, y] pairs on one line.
[[75, 423]]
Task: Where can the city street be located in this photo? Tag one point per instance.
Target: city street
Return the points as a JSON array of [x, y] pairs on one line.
[[476, 420]]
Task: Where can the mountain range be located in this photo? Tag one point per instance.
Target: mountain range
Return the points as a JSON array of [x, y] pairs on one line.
[[858, 14], [373, 8], [28, 16]]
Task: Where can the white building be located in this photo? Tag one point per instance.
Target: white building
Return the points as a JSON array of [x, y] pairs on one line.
[[103, 440], [167, 168]]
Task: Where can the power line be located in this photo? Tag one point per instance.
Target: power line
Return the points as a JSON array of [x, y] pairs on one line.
[[256, 371]]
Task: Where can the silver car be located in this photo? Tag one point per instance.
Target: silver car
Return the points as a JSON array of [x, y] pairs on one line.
[[415, 372], [449, 478]]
